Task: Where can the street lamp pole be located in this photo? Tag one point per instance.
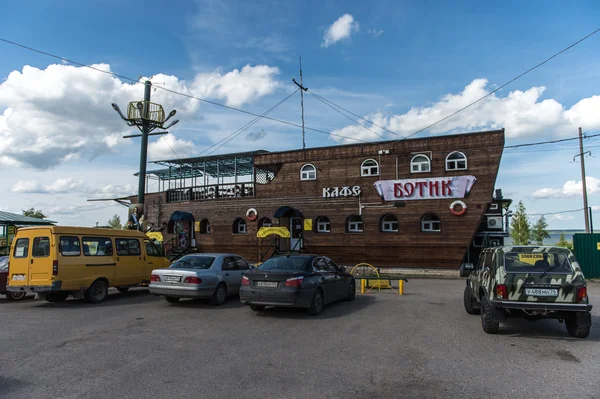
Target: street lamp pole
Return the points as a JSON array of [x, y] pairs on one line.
[[145, 128]]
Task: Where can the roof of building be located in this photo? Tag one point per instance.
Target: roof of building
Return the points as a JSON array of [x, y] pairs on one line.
[[14, 218]]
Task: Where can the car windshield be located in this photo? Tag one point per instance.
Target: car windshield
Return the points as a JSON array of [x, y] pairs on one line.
[[193, 262], [537, 262], [295, 263], [3, 262]]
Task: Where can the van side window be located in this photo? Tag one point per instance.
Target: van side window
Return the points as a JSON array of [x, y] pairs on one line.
[[152, 249], [128, 247], [41, 247], [97, 246], [21, 248], [69, 246]]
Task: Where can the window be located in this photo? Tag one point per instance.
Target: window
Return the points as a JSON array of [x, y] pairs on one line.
[[493, 207], [420, 164], [2, 230], [331, 266], [152, 249], [389, 224], [456, 161], [355, 224], [320, 265], [41, 247], [69, 246], [370, 167], [308, 172], [128, 247], [204, 226], [239, 226], [228, 264], [97, 246], [193, 262], [323, 225], [294, 263], [21, 248], [430, 222], [265, 222], [241, 264]]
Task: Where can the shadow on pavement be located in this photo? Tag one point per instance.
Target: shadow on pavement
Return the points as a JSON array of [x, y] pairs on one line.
[[333, 310], [232, 302], [546, 329], [141, 295]]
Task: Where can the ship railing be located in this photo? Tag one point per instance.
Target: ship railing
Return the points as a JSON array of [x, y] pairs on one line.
[[211, 192]]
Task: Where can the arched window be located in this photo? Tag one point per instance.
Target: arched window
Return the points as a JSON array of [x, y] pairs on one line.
[[456, 161], [420, 163], [323, 225], [265, 222], [239, 226], [204, 226], [430, 222], [354, 224], [369, 167], [308, 172], [389, 224]]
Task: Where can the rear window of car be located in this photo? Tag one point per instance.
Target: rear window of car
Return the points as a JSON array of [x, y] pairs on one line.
[[193, 262], [537, 262], [295, 263]]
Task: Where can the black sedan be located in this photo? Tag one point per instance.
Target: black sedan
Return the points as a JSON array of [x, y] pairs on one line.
[[301, 281]]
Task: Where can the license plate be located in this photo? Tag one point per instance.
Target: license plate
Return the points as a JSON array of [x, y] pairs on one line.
[[18, 277], [268, 284], [541, 291], [174, 279]]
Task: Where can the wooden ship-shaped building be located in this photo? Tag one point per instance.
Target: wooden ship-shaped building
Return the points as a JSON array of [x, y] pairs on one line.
[[414, 203]]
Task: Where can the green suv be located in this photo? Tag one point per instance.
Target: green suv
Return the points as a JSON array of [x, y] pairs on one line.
[[531, 282]]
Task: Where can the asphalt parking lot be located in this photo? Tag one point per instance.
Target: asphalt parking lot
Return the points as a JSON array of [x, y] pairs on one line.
[[422, 344]]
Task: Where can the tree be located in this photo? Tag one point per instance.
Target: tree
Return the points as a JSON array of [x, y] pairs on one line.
[[540, 231], [562, 242], [115, 222], [520, 231], [34, 213]]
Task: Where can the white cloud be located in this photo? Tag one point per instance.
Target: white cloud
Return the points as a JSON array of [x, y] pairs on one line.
[[560, 217], [170, 147], [341, 29], [521, 113], [375, 32], [68, 185], [596, 208], [571, 189], [62, 113]]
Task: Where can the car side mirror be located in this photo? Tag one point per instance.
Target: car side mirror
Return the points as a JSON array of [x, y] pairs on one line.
[[342, 268], [466, 269]]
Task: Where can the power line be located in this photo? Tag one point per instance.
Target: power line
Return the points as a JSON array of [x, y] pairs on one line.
[[340, 112], [549, 141], [504, 85], [555, 213], [176, 92], [350, 112], [245, 127]]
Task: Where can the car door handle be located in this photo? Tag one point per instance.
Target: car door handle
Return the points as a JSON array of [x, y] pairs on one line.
[[227, 274], [31, 262]]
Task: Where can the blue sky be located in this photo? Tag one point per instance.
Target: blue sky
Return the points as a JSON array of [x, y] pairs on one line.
[[391, 57]]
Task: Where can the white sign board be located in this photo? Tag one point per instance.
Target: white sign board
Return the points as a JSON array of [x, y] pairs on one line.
[[425, 188]]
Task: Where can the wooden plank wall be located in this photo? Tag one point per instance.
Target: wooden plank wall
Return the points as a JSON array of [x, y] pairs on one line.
[[340, 166]]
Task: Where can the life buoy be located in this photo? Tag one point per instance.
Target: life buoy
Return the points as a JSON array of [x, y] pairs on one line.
[[462, 210], [251, 214]]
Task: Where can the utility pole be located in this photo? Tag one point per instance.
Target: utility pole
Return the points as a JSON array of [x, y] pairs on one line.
[[302, 90], [586, 212], [144, 150]]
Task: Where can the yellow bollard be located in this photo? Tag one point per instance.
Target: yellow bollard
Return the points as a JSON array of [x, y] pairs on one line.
[[362, 285], [400, 287]]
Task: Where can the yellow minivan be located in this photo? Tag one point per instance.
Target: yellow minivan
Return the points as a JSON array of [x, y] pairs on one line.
[[58, 261]]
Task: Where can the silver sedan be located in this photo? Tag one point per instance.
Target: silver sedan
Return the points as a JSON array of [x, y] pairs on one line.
[[214, 276]]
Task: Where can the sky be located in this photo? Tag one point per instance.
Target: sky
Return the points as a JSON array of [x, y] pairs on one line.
[[402, 65]]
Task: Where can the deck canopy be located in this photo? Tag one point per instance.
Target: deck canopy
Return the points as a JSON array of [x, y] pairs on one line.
[[214, 166]]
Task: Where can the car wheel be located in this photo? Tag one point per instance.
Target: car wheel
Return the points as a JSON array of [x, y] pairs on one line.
[[219, 296], [97, 292], [317, 303], [488, 319], [351, 291], [576, 330], [171, 299], [122, 289], [257, 308], [469, 301], [16, 296], [56, 296]]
